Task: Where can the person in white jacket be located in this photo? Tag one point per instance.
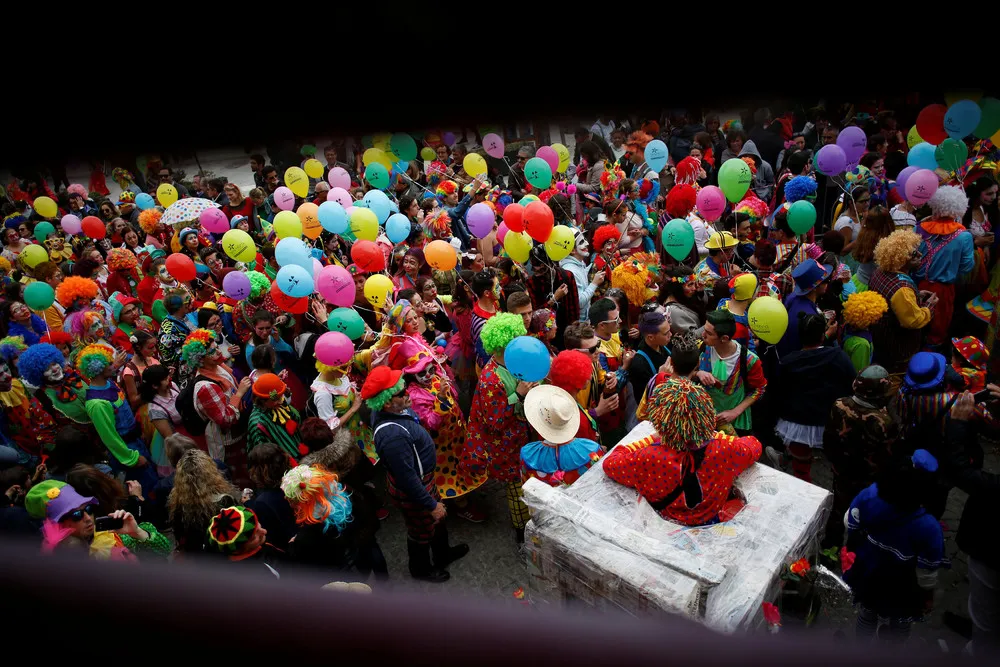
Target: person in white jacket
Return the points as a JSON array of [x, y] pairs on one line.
[[578, 263]]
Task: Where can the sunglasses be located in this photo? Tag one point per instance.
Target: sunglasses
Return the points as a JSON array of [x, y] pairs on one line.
[[164, 177], [77, 515], [588, 350]]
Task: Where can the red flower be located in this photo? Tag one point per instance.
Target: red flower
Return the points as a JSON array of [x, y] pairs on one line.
[[800, 567], [846, 559], [771, 614]]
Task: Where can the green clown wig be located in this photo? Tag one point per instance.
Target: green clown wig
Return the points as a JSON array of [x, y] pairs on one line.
[[258, 284], [500, 330], [378, 401]]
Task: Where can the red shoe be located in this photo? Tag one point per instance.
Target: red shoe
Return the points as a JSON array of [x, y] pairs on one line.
[[471, 513], [381, 514]]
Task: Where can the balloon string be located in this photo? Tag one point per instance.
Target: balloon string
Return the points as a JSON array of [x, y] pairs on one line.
[[510, 169]]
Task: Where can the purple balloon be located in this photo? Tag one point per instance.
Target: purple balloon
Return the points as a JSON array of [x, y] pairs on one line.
[[236, 285], [449, 139], [480, 219], [905, 174], [831, 160], [853, 142], [550, 156]]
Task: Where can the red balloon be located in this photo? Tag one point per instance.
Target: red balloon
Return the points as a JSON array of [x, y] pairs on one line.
[[368, 256], [94, 228], [513, 216], [930, 123], [181, 267], [289, 304], [538, 221]]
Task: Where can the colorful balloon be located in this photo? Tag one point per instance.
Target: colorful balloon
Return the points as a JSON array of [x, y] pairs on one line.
[[336, 285], [441, 255], [656, 155], [538, 173], [480, 220], [493, 145], [734, 179], [502, 232], [527, 359], [801, 216], [341, 196], [292, 250], [538, 221], [144, 201], [921, 186], [236, 285], [364, 223], [289, 304], [474, 164], [711, 203], [39, 295], [518, 246], [378, 290], [309, 216], [334, 349], [403, 146], [333, 217], [951, 154], [93, 227], [513, 217], [922, 156], [903, 175], [367, 256], [962, 118], [181, 267], [71, 225], [913, 137], [378, 202], [45, 207], [346, 321], [166, 194], [564, 157], [989, 121], [930, 123], [831, 160], [397, 228], [678, 238], [33, 255], [560, 243], [214, 220], [294, 281], [297, 181], [768, 319], [853, 142], [313, 168], [239, 245], [287, 225], [284, 199], [428, 153], [339, 178], [377, 175], [42, 231], [550, 156]]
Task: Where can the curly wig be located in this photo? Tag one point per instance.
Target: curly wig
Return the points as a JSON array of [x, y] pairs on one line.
[[150, 219], [799, 188], [82, 322], [604, 234], [73, 288], [196, 346], [259, 284], [4, 264], [78, 189], [681, 199], [317, 497], [639, 139], [687, 171], [752, 206], [863, 309], [199, 491], [949, 203], [682, 413], [894, 251], [571, 370], [445, 188], [378, 401], [500, 330], [120, 259], [57, 338], [93, 359], [34, 361], [437, 224], [11, 347]]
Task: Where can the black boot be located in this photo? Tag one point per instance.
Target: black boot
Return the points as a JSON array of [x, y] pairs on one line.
[[444, 555], [420, 563]]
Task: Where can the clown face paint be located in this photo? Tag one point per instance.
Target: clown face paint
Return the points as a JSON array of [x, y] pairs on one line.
[[54, 373], [6, 379]]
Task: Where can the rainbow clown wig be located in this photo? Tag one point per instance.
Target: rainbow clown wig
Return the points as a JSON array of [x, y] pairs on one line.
[[94, 359], [682, 413], [259, 284], [317, 497], [446, 188], [34, 361], [863, 309], [437, 224], [86, 323], [73, 288], [198, 344], [500, 330], [149, 219], [11, 348]]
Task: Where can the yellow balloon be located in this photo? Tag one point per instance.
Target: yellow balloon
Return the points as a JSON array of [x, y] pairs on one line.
[[378, 289], [996, 138], [166, 194], [239, 245], [388, 160], [314, 168], [364, 223], [33, 255], [428, 153], [45, 207], [560, 243], [564, 156], [474, 164], [381, 141], [373, 155], [517, 245], [297, 181], [913, 138], [768, 319], [287, 225]]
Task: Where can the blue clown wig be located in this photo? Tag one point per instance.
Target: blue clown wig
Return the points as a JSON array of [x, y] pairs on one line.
[[34, 361], [799, 188]]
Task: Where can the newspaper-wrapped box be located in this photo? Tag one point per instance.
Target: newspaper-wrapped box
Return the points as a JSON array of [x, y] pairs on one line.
[[598, 543]]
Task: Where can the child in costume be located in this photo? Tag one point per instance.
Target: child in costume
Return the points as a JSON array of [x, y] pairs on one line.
[[970, 358], [273, 419], [337, 403], [560, 458], [861, 311]]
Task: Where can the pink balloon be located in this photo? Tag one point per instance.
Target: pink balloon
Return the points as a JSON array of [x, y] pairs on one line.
[[711, 203], [334, 348], [71, 225], [339, 178], [493, 145], [921, 186], [336, 285], [550, 156], [502, 232], [341, 196], [284, 199], [317, 267], [214, 220], [348, 210]]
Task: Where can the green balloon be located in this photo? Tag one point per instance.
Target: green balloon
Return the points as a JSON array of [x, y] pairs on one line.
[[346, 321], [678, 239], [951, 154], [538, 172], [989, 122], [734, 179], [801, 217], [377, 175], [39, 295], [403, 146], [43, 229]]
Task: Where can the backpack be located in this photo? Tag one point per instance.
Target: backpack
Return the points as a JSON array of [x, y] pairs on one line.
[[192, 421]]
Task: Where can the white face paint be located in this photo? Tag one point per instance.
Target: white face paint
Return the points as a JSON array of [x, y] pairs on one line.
[[54, 373], [6, 379]]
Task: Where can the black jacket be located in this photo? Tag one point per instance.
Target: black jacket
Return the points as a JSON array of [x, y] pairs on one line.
[[406, 448], [338, 550], [810, 381], [639, 372], [275, 515], [977, 535]]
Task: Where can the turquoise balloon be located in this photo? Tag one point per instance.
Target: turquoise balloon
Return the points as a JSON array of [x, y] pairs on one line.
[[397, 228], [346, 321], [39, 295], [377, 175], [678, 238], [801, 216], [378, 202], [538, 172], [42, 230], [922, 156], [403, 146], [333, 217]]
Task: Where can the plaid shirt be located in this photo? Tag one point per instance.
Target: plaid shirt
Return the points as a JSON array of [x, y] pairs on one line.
[[213, 403]]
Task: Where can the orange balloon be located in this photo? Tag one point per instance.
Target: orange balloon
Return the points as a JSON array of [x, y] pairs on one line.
[[309, 215], [441, 255]]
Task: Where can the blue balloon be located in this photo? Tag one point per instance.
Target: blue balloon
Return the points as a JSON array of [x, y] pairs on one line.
[[656, 155], [922, 156], [144, 201], [291, 251], [397, 228], [378, 203], [333, 217], [527, 359], [962, 118], [393, 206], [316, 253], [401, 166], [294, 281]]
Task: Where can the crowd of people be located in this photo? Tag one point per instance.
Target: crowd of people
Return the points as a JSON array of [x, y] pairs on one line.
[[188, 371]]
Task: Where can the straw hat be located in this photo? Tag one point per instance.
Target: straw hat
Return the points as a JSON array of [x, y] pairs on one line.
[[553, 413]]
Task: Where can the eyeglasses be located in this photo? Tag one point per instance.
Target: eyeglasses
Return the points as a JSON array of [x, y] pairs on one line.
[[77, 515], [617, 320], [164, 177], [589, 350]]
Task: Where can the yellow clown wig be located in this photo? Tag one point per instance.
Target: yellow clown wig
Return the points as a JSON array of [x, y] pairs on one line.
[[894, 251], [863, 309]]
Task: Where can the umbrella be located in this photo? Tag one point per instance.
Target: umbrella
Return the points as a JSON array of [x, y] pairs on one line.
[[186, 210]]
